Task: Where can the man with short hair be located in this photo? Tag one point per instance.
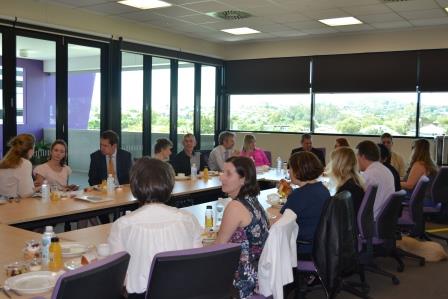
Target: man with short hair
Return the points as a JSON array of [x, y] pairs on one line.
[[396, 160], [223, 151], [184, 159], [307, 146], [375, 173], [162, 149], [109, 159]]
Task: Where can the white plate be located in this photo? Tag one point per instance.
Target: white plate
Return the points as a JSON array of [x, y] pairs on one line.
[[73, 249], [73, 264], [32, 282], [182, 178], [93, 198]]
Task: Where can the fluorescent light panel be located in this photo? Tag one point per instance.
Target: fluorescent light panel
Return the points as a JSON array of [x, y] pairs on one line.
[[341, 21], [145, 4], [241, 30], [446, 8]]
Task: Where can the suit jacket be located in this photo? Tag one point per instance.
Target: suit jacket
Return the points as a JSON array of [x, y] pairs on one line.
[[181, 163], [98, 167], [315, 151]]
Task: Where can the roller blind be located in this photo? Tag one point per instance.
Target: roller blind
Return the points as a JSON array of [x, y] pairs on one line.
[[433, 70]]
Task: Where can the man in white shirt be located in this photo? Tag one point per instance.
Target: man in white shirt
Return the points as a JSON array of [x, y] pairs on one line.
[[396, 160], [154, 227], [375, 173], [223, 151]]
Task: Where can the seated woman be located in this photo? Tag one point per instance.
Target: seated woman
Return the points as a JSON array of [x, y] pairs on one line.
[[55, 170], [344, 172], [15, 167], [244, 220], [308, 200], [162, 149], [421, 164], [251, 151], [154, 227], [341, 142]]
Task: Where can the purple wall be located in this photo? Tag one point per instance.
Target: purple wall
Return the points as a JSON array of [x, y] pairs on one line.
[[80, 90]]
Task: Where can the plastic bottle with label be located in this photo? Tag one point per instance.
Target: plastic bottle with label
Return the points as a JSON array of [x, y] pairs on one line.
[[219, 211], [194, 172], [46, 241], [110, 185], [45, 191], [209, 218], [205, 175], [279, 164], [55, 251]]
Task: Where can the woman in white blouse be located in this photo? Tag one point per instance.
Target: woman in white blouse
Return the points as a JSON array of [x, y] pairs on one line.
[[15, 167], [154, 227], [55, 170]]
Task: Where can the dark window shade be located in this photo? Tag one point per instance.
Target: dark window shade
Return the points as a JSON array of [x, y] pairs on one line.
[[433, 70], [370, 72], [272, 75]]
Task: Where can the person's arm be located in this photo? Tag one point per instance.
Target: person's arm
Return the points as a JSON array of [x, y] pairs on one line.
[[93, 173], [401, 167], [218, 159], [114, 239], [264, 158], [25, 186], [417, 170], [232, 219]]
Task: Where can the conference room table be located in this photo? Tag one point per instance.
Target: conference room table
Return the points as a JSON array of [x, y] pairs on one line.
[[31, 213], [12, 239]]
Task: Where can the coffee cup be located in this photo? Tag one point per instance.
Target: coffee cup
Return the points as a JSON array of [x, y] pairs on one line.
[[103, 249]]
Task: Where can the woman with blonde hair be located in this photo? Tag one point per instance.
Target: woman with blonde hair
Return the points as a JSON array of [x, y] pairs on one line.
[[421, 164], [343, 170], [15, 167], [251, 151]]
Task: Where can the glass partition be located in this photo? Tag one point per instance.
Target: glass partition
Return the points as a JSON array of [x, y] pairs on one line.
[[208, 96]]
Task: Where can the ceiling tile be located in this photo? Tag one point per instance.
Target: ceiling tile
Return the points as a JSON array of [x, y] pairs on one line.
[[288, 18], [391, 25], [200, 19], [353, 28], [142, 16], [272, 28], [424, 14], [429, 22], [208, 6], [174, 11], [443, 3], [412, 5], [319, 31], [289, 33], [110, 8], [325, 13], [367, 9], [306, 25], [79, 3], [389, 17]]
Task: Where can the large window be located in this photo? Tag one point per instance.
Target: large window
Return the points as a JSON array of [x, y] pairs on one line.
[[433, 113], [208, 96], [160, 99], [132, 103], [276, 112], [365, 113]]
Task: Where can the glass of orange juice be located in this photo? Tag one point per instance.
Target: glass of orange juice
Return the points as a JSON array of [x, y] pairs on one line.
[[55, 194]]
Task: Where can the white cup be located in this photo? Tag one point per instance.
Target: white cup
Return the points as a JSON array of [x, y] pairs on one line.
[[103, 249], [274, 198]]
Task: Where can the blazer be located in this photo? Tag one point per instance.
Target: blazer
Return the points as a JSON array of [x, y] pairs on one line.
[[315, 151], [181, 163], [98, 167]]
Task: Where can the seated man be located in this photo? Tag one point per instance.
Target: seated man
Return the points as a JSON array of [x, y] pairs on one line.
[[396, 160], [184, 159], [385, 159], [307, 146], [162, 149], [109, 159], [223, 151], [375, 173]]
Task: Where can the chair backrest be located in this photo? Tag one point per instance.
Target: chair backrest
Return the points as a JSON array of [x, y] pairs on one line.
[[364, 217], [279, 256], [205, 154], [416, 201], [439, 188], [101, 279], [269, 156], [386, 223], [199, 273]]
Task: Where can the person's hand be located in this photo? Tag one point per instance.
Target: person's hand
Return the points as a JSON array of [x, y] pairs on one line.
[[37, 184]]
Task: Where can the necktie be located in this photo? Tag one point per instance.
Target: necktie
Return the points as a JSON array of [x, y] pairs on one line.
[[110, 167]]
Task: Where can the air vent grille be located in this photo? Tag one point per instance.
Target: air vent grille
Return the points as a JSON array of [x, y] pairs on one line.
[[230, 14]]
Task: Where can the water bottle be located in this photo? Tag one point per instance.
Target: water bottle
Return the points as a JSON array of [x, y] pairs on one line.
[[209, 218], [110, 185], [45, 191], [219, 211], [279, 164], [194, 172], [46, 242]]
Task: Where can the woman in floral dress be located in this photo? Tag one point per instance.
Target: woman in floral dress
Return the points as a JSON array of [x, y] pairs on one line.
[[244, 221]]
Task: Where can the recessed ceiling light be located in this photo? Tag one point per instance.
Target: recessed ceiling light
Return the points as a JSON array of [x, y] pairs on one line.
[[446, 8], [145, 4], [241, 30], [341, 21]]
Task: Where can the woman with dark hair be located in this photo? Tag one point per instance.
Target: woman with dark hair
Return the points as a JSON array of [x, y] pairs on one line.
[[385, 158], [154, 227], [308, 200], [244, 220], [55, 170], [421, 164], [15, 167]]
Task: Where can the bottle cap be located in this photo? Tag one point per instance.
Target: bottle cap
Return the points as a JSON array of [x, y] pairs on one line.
[[45, 182], [209, 207], [110, 175], [49, 228], [193, 165], [54, 239]]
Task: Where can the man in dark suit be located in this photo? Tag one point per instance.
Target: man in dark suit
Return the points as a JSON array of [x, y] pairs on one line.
[[307, 146], [183, 160], [109, 159]]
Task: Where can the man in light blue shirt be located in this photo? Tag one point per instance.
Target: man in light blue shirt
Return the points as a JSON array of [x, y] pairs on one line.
[[223, 151]]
